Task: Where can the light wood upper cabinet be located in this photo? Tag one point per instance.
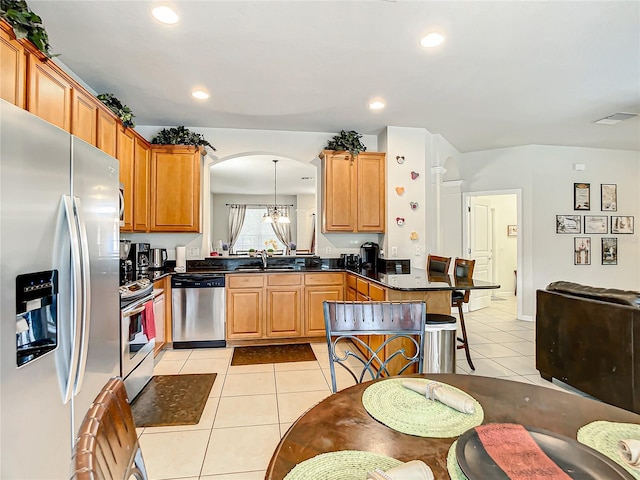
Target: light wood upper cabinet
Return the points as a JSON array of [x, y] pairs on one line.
[[175, 189], [141, 182], [353, 193], [107, 131], [84, 116], [49, 93], [13, 67], [371, 192], [126, 155]]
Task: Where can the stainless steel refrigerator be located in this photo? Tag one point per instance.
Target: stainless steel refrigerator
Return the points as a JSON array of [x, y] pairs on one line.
[[59, 336]]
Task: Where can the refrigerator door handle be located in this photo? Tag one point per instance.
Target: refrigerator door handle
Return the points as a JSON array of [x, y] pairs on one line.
[[76, 301], [86, 295]]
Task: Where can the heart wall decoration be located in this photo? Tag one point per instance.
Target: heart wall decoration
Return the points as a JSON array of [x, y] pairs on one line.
[[413, 205], [400, 191], [414, 175]]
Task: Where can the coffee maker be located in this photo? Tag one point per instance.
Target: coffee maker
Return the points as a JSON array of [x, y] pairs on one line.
[[139, 256], [369, 252]]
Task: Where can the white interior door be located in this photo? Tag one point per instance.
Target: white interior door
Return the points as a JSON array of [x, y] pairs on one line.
[[480, 249]]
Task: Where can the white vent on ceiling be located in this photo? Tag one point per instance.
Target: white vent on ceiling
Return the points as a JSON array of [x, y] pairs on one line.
[[615, 118]]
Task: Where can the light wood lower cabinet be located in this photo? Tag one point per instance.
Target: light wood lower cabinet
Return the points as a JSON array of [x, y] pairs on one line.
[[280, 305]]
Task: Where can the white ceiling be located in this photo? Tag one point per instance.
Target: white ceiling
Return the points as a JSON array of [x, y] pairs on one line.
[[509, 73]]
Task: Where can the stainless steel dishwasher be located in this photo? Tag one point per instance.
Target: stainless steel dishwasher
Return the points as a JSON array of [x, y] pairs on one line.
[[198, 305]]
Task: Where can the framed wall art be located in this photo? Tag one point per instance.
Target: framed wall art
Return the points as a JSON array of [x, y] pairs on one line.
[[569, 224], [512, 230], [609, 197], [582, 251], [609, 251], [582, 196], [596, 224], [621, 224]]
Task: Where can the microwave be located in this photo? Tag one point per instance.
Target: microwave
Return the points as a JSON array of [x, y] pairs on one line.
[[121, 207]]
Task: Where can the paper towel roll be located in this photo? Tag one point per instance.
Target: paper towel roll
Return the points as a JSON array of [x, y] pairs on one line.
[[181, 258]]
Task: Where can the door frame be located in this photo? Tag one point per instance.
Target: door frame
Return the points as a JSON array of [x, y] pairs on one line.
[[466, 234]]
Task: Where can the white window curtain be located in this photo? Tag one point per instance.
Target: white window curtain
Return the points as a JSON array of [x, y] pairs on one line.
[[283, 230], [236, 220]]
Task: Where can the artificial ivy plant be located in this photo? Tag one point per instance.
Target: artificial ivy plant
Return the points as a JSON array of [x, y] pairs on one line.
[[180, 136], [123, 112], [26, 24], [348, 142]]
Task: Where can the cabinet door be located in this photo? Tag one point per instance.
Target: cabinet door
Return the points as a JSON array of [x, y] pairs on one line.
[[244, 313], [13, 68], [49, 94], [84, 116], [376, 293], [141, 182], [283, 311], [351, 294], [126, 155], [158, 313], [175, 189], [371, 192], [107, 132], [339, 193], [314, 321]]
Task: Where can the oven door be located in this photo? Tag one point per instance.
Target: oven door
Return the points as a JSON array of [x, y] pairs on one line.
[[136, 326]]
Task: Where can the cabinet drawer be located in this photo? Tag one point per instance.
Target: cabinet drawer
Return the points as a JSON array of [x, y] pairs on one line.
[[324, 279], [274, 279], [351, 281], [362, 286], [245, 281]]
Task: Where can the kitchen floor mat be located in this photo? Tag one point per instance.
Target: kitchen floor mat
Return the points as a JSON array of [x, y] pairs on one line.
[[170, 400], [272, 354]]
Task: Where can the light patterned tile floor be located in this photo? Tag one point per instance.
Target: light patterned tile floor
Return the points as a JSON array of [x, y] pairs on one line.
[[251, 407]]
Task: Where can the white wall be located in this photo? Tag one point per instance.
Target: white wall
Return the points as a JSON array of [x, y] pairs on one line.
[[545, 176], [301, 146]]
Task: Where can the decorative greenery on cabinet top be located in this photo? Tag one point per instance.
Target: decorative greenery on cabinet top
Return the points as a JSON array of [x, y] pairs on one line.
[[180, 136], [123, 112], [348, 142], [26, 24]]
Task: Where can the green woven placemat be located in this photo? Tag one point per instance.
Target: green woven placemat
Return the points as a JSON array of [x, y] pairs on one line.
[[455, 472], [343, 465], [604, 436], [409, 412]]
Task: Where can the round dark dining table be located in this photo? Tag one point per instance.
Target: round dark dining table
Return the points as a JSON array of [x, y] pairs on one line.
[[340, 422]]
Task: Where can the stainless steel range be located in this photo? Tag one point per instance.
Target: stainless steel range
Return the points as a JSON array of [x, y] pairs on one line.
[[137, 335]]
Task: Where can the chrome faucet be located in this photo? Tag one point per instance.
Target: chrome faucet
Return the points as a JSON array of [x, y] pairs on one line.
[[263, 255]]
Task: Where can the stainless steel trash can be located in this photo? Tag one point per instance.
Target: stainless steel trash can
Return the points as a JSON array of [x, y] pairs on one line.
[[440, 344]]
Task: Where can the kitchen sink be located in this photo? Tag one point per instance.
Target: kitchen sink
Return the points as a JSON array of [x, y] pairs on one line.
[[270, 268]]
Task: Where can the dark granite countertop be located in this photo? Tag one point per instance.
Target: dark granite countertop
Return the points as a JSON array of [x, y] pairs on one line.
[[416, 280]]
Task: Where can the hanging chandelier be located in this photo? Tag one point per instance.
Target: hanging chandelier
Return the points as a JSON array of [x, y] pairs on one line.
[[274, 215]]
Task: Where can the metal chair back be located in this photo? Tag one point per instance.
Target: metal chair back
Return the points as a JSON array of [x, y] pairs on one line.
[[400, 325]]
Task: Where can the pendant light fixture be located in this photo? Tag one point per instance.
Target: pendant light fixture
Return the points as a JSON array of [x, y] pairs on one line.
[[273, 215]]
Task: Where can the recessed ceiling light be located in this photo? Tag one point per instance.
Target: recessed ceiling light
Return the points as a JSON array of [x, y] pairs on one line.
[[376, 105], [432, 40], [165, 15], [200, 94]]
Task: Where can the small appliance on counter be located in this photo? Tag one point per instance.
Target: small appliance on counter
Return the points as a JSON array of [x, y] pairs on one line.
[[126, 266], [369, 252], [350, 261], [157, 258], [139, 256]]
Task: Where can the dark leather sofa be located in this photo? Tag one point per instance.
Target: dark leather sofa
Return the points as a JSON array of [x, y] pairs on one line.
[[589, 338]]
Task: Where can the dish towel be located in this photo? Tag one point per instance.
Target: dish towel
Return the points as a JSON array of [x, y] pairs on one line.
[[149, 321], [436, 391], [629, 450], [413, 470]]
